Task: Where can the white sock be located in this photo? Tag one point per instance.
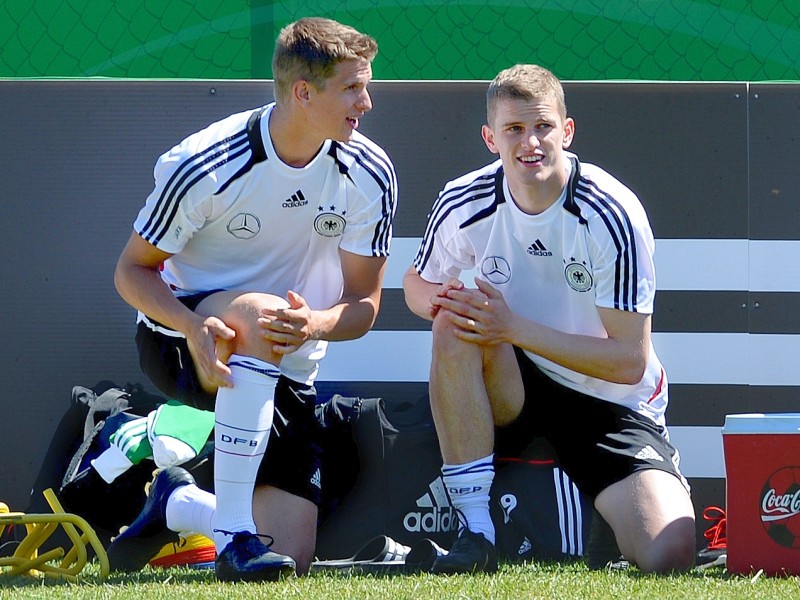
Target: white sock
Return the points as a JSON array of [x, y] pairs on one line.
[[468, 486], [169, 451], [111, 464], [190, 509], [243, 420]]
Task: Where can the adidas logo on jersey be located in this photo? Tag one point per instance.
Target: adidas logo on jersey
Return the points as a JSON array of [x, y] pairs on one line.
[[537, 248], [649, 453], [297, 199], [316, 479], [436, 514]]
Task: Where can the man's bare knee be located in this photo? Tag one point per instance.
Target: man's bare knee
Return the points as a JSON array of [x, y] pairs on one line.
[[240, 311], [444, 338], [673, 550]]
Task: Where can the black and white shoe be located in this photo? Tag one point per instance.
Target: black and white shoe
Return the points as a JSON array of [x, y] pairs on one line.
[[137, 545], [422, 556], [470, 553], [247, 558]]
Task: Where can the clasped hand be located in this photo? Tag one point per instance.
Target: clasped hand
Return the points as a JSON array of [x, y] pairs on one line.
[[287, 328], [479, 315]]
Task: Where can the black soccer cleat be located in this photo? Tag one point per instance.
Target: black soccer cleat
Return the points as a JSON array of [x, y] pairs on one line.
[[470, 553], [422, 555], [247, 558], [137, 545]]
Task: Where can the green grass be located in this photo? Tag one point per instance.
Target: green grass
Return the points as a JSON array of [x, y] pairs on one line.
[[550, 580]]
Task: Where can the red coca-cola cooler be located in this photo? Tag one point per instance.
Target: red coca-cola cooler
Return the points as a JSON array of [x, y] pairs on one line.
[[762, 469]]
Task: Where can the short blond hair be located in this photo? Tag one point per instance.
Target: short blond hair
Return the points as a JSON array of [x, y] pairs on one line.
[[310, 49], [524, 82]]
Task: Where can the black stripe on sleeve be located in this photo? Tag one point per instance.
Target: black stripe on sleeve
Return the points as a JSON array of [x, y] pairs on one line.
[[620, 229], [383, 173], [451, 199]]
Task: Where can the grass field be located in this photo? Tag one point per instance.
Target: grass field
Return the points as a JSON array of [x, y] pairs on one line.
[[551, 580]]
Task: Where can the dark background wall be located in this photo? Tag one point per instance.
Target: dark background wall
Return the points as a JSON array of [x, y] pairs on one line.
[[713, 164]]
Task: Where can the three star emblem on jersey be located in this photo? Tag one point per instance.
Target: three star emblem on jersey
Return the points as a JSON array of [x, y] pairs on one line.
[[244, 226]]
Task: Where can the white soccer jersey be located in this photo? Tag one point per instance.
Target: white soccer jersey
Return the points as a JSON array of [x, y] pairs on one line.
[[592, 248], [236, 217]]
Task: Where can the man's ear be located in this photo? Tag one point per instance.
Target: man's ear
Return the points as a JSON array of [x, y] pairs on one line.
[[569, 132], [300, 91], [488, 138]]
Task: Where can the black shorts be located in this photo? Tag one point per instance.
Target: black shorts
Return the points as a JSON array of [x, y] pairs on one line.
[[293, 457], [596, 442], [164, 357], [294, 454]]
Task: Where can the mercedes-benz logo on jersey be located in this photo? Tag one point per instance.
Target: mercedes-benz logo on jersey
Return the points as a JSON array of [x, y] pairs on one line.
[[578, 277], [329, 224], [496, 269], [244, 226]]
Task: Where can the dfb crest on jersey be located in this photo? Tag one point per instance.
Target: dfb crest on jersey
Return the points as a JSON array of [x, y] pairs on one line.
[[578, 277], [329, 224]]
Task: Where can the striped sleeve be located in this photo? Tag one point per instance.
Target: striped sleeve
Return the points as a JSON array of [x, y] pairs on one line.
[[185, 179], [621, 243], [462, 202], [373, 173]]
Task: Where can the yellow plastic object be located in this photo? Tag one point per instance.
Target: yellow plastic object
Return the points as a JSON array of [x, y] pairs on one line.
[[27, 560]]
